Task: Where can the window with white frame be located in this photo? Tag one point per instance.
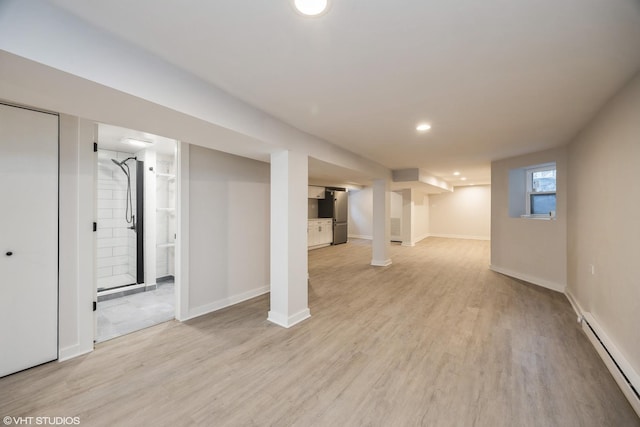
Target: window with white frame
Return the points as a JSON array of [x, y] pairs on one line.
[[540, 197], [532, 191]]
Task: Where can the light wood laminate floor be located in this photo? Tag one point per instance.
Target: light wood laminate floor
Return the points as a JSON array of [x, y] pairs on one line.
[[435, 339]]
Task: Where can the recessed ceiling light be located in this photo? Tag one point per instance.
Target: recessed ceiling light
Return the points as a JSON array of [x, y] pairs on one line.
[[463, 179], [423, 127], [311, 7], [456, 173]]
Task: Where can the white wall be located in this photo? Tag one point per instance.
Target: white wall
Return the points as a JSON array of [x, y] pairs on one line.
[[415, 216], [465, 213], [529, 249], [604, 229], [361, 213], [421, 215], [229, 224], [395, 198]]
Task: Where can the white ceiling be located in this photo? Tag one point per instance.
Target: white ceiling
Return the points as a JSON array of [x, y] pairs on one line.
[[114, 138], [495, 78]]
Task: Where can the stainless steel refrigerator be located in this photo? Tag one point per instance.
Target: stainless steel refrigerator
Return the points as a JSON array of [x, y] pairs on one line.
[[336, 205]]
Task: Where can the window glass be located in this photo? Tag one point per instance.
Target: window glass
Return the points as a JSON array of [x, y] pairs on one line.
[[543, 181], [542, 204]]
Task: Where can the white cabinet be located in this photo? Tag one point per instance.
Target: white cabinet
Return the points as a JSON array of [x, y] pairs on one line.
[[319, 232], [326, 231], [316, 192]]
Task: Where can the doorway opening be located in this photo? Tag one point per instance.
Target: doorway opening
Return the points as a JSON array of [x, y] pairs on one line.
[[136, 231]]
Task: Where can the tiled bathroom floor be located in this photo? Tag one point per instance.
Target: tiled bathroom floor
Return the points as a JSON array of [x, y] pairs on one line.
[[121, 316]]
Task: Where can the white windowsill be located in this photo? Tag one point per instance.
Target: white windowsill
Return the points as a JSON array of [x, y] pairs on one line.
[[539, 217]]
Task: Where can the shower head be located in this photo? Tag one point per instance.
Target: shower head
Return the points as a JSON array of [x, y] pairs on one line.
[[123, 164], [124, 161]]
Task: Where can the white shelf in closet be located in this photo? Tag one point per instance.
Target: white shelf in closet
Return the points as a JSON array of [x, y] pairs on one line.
[[169, 176], [166, 245]]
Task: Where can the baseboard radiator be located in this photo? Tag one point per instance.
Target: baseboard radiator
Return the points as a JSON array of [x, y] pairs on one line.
[[623, 379]]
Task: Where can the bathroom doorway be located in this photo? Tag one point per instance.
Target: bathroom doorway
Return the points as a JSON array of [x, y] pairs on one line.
[[136, 230]]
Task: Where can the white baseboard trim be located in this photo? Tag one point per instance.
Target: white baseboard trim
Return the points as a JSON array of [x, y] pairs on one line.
[[73, 351], [225, 302], [421, 238], [360, 236], [575, 305], [558, 287], [460, 236], [379, 263], [288, 321], [367, 237], [322, 245], [620, 368]]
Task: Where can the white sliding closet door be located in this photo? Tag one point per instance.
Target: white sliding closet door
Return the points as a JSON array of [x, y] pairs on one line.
[[28, 238]]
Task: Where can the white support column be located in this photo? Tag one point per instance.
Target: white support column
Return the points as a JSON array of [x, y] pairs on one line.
[[289, 286], [381, 223], [407, 218]]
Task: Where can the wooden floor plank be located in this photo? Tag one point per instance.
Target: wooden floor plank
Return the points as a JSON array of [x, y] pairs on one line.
[[435, 339]]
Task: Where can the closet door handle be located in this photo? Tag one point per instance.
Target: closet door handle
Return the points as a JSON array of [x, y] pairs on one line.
[[9, 253]]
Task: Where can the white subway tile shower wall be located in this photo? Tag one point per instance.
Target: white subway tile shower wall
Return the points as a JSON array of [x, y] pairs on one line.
[[116, 243]]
